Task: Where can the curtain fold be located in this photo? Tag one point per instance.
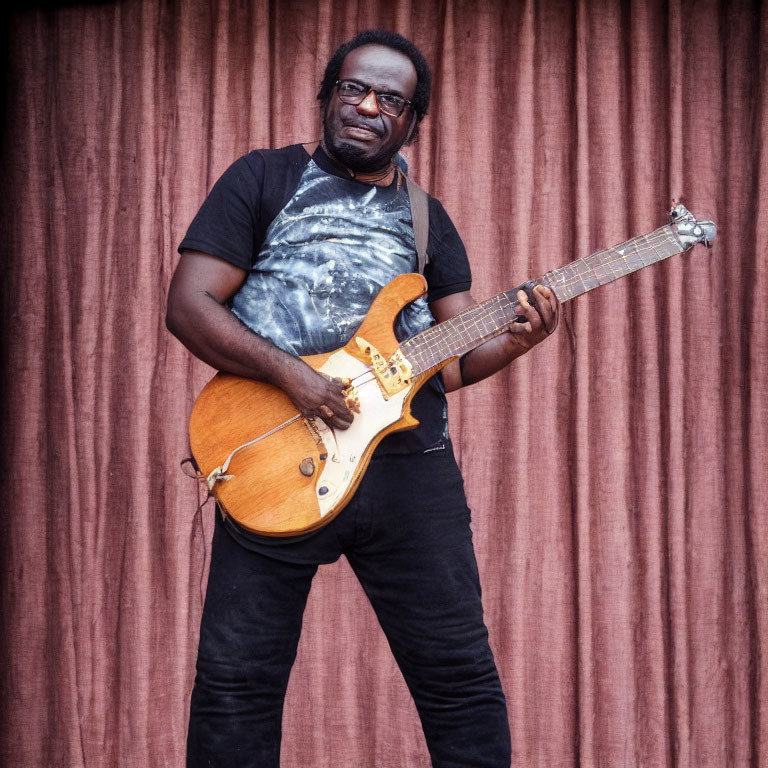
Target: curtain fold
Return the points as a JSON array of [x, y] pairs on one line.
[[617, 473]]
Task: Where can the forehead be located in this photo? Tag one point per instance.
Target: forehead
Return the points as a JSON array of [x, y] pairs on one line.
[[382, 68]]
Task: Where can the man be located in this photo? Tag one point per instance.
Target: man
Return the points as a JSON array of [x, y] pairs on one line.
[[284, 259]]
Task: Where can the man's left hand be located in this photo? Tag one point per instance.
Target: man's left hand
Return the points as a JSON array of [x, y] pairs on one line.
[[542, 316]]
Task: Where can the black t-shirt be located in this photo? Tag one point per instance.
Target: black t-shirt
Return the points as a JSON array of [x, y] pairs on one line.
[[233, 222]]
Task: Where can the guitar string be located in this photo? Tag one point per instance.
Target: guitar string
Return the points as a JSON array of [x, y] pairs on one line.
[[611, 256], [431, 340], [220, 472], [434, 340], [427, 349]]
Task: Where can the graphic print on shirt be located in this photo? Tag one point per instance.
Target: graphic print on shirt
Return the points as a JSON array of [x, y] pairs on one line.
[[326, 255]]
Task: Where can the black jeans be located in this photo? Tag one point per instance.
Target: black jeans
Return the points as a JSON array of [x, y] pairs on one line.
[[406, 535]]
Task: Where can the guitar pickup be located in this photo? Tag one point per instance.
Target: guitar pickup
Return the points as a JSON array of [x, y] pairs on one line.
[[393, 376]]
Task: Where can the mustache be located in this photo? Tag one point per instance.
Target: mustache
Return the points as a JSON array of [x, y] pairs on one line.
[[364, 124]]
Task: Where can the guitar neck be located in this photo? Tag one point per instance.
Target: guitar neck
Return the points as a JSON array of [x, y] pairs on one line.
[[470, 328], [603, 267]]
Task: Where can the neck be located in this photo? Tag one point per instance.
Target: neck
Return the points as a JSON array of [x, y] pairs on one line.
[[382, 176]]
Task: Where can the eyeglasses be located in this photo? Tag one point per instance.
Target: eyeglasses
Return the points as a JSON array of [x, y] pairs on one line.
[[352, 92]]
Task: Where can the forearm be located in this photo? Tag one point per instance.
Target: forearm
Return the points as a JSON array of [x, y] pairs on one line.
[[198, 316], [485, 360], [216, 336], [489, 358]]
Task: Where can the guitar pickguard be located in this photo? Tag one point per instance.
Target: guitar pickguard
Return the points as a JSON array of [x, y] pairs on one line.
[[346, 447]]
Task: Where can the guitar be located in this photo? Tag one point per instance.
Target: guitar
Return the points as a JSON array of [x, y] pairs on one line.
[[278, 473]]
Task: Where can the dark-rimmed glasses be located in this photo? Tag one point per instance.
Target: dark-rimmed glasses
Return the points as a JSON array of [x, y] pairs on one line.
[[352, 92]]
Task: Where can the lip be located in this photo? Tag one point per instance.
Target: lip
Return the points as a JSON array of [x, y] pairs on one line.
[[361, 131]]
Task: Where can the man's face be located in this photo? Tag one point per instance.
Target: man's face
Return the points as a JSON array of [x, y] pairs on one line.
[[361, 136]]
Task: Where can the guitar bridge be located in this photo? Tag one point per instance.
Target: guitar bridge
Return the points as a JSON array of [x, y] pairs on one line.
[[393, 376]]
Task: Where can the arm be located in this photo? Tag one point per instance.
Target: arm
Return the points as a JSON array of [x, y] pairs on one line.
[[496, 353], [197, 316]]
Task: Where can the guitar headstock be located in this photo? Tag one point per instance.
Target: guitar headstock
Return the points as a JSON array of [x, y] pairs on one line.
[[689, 230]]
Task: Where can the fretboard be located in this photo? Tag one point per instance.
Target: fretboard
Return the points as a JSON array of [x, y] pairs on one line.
[[470, 328]]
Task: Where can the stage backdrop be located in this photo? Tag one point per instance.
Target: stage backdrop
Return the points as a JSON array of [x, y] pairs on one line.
[[617, 475]]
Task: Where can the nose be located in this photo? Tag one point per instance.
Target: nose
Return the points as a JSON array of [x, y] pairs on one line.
[[369, 105]]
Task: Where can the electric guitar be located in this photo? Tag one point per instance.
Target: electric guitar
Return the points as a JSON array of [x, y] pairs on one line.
[[278, 473]]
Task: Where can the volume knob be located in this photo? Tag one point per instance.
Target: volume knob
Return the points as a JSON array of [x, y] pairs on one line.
[[307, 467]]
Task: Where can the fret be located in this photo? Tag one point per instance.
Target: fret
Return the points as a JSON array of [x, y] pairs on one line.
[[477, 324], [652, 246], [459, 334], [605, 266], [595, 265], [615, 266], [556, 281], [648, 257], [622, 259]]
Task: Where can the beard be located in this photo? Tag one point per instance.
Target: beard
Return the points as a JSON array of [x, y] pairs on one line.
[[355, 157]]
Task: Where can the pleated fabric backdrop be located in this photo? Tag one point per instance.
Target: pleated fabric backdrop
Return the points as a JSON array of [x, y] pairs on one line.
[[617, 475]]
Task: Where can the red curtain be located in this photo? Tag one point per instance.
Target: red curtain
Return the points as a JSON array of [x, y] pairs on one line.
[[617, 474]]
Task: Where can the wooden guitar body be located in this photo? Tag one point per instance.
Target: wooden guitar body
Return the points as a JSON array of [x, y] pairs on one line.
[[301, 473]]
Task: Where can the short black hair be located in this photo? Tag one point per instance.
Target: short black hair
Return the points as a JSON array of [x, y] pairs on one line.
[[390, 40]]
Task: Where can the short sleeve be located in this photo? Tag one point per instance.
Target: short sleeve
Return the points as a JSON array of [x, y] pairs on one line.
[[228, 222], [447, 270]]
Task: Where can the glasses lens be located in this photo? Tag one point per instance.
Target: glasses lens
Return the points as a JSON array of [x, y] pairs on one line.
[[351, 92], [390, 104]]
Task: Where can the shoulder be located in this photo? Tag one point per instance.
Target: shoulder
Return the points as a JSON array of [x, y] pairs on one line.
[[443, 235], [438, 214], [266, 179], [257, 163], [447, 269], [235, 215]]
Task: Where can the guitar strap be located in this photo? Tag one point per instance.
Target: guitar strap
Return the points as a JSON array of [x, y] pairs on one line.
[[419, 211], [420, 217]]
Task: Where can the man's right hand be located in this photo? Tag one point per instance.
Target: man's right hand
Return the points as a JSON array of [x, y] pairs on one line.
[[316, 395], [198, 317]]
